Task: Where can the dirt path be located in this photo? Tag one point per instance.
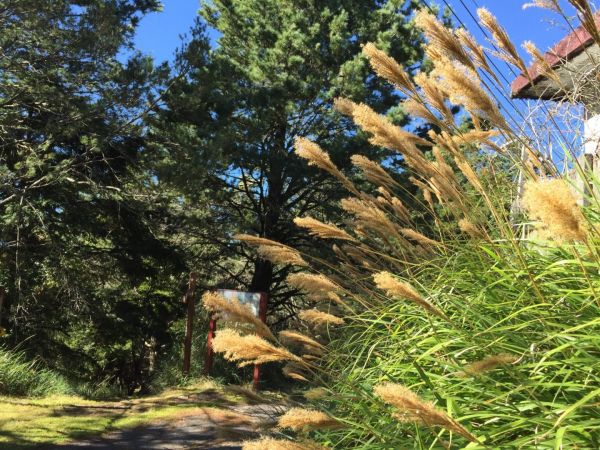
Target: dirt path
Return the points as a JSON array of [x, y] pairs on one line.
[[205, 428]]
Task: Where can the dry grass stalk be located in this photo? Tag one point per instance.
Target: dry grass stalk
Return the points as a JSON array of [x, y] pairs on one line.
[[388, 68], [469, 173], [311, 283], [468, 227], [374, 172], [541, 62], [256, 240], [552, 202], [441, 38], [416, 410], [586, 15], [442, 166], [295, 371], [488, 363], [474, 137], [316, 393], [477, 53], [321, 229], [401, 211], [552, 5], [299, 419], [418, 237], [395, 288], [319, 318], [416, 108], [344, 106], [249, 349], [290, 337], [235, 311], [371, 218], [280, 444], [435, 96], [462, 86], [385, 133], [508, 52], [315, 156], [281, 255]]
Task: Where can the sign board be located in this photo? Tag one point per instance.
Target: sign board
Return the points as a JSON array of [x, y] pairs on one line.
[[257, 302], [251, 299]]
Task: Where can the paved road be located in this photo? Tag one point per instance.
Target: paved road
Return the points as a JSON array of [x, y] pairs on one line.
[[224, 429]]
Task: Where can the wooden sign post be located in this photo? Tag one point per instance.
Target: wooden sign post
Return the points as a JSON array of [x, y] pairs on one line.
[[188, 299], [257, 301]]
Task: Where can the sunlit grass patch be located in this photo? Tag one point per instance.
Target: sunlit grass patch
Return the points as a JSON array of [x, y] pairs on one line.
[[27, 422]]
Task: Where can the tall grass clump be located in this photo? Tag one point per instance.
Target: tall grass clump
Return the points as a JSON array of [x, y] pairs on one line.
[[22, 377], [466, 315]]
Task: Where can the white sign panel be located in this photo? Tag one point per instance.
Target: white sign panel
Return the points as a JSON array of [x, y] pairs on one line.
[[251, 299]]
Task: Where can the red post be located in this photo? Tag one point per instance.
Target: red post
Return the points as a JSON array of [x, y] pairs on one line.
[[208, 357], [262, 314], [189, 325]]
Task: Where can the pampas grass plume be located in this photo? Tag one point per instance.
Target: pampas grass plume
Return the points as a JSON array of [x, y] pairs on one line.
[[299, 419]]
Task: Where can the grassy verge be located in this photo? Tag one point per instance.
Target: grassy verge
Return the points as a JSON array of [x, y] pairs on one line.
[[26, 422]]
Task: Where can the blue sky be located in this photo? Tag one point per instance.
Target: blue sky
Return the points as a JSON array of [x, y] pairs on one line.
[[159, 33]]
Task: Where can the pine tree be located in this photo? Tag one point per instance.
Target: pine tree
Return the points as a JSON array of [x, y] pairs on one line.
[[276, 68]]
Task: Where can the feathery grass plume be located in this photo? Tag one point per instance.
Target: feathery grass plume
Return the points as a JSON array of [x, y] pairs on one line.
[[488, 363], [256, 240], [552, 5], [311, 283], [586, 15], [393, 287], [315, 393], [441, 38], [434, 95], [541, 62], [399, 209], [474, 137], [428, 198], [416, 410], [325, 296], [295, 371], [552, 202], [442, 166], [468, 227], [321, 229], [385, 133], [344, 106], [280, 444], [374, 172], [477, 53], [235, 311], [319, 318], [281, 255], [416, 108], [463, 87], [418, 237], [287, 337], [469, 173], [315, 156], [372, 218], [387, 67], [299, 419], [508, 52], [249, 349]]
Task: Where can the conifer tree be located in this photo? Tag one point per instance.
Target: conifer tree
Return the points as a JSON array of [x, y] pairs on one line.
[[275, 70]]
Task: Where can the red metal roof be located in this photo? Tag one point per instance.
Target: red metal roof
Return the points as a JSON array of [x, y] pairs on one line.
[[567, 48]]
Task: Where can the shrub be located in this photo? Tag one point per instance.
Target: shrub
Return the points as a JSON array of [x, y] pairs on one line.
[[22, 377]]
